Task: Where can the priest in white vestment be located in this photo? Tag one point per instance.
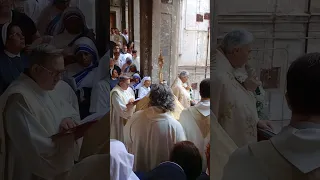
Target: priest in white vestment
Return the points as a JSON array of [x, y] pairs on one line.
[[235, 106], [195, 121], [31, 112], [151, 133], [181, 89], [121, 107], [294, 153]]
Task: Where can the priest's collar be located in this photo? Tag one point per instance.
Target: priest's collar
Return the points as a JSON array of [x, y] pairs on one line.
[[11, 55], [203, 107]]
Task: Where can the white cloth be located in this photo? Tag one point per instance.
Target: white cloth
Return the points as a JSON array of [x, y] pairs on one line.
[[33, 8], [299, 147], [62, 40], [150, 136], [235, 106], [223, 148], [196, 124], [123, 59], [119, 111], [100, 94], [47, 16], [68, 94], [75, 68], [37, 115], [121, 162], [143, 91], [181, 93], [100, 97]]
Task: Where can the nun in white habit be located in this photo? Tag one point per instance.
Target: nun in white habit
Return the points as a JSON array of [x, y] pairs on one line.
[[144, 87], [82, 73], [100, 94]]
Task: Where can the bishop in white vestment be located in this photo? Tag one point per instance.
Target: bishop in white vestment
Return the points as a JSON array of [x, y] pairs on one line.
[[122, 107], [181, 89], [235, 106], [150, 134], [31, 112], [195, 121], [294, 153]]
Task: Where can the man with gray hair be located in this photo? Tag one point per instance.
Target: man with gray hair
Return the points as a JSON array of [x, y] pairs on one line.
[[31, 112], [150, 134], [182, 90], [235, 105]]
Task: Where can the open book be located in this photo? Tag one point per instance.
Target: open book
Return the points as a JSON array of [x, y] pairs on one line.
[[82, 127]]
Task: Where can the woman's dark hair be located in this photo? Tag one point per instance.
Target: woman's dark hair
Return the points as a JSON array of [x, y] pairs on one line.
[[187, 155], [303, 85], [205, 88], [161, 96]]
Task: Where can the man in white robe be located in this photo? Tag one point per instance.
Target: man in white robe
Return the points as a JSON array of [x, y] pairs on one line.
[[31, 112], [294, 153], [195, 121], [181, 89], [151, 133], [235, 106], [121, 108]]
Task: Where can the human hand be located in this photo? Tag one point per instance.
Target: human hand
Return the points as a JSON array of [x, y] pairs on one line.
[[66, 124], [251, 84], [265, 125]]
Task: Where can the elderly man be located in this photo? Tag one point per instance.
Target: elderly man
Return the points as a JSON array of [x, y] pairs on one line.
[[151, 133], [294, 153], [31, 112], [235, 105], [182, 90], [122, 107], [195, 120]]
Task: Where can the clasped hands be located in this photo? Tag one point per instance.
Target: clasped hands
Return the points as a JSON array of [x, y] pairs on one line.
[[130, 103]]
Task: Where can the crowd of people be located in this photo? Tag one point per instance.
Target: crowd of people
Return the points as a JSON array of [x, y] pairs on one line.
[[143, 123]]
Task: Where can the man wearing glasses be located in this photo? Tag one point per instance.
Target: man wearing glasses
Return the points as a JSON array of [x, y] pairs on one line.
[[32, 111]]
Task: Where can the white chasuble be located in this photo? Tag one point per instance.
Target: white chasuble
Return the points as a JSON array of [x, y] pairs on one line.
[[235, 107], [30, 116], [119, 111], [196, 124], [150, 135], [181, 93]]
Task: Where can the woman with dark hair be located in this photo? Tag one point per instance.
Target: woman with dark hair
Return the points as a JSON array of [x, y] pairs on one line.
[[12, 61], [150, 134], [187, 155]]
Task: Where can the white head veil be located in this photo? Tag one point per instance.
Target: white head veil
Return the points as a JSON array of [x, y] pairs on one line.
[[147, 78], [121, 162]]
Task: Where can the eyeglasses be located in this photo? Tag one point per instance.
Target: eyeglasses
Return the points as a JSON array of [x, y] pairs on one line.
[[54, 74]]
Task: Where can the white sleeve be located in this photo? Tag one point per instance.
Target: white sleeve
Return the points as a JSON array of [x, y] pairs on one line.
[[141, 92], [100, 98], [44, 158], [120, 108]]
